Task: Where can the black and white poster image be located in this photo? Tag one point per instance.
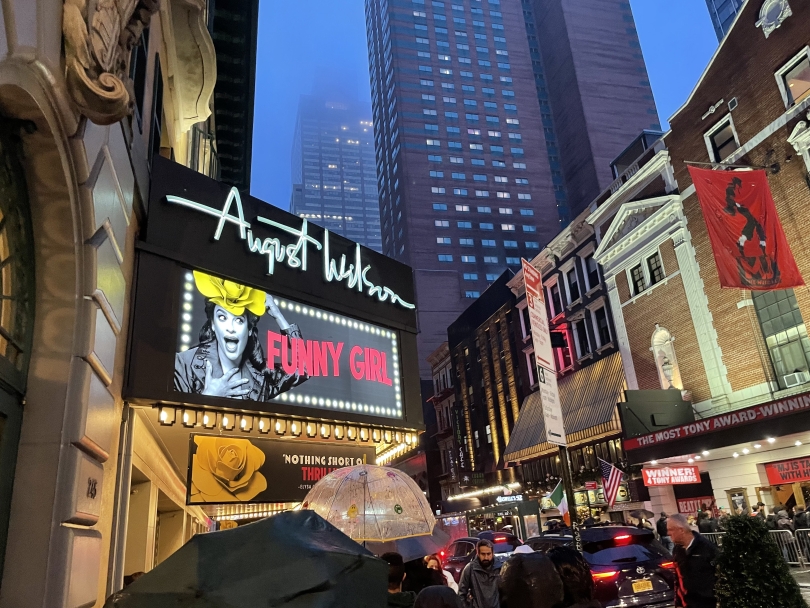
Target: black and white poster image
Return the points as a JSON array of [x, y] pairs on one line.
[[239, 342]]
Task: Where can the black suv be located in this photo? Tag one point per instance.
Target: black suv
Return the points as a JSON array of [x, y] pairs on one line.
[[461, 551], [629, 567]]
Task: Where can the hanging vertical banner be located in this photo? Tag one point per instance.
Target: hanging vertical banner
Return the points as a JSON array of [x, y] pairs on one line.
[[544, 356], [749, 245], [538, 317]]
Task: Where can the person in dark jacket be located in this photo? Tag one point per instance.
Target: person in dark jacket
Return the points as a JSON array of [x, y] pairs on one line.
[[397, 598], [478, 585], [529, 580], [576, 577], [438, 597], [799, 518], [695, 558], [706, 523], [661, 528]]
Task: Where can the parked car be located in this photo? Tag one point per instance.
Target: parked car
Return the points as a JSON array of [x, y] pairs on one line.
[[629, 567], [461, 551]]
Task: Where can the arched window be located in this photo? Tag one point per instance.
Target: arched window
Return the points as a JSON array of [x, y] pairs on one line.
[[663, 349]]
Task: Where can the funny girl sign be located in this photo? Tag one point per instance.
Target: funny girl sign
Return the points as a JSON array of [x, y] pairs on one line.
[[242, 343]]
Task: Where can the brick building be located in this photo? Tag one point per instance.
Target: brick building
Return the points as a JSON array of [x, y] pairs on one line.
[[726, 350]]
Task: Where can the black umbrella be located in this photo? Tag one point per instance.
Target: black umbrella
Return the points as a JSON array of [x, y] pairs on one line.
[[295, 559], [412, 547]]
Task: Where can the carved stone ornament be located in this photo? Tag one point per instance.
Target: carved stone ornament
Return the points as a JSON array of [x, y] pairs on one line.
[[772, 14], [99, 35]]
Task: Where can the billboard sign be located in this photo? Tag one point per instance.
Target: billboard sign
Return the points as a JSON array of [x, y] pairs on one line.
[[241, 343], [670, 476], [227, 469], [788, 471]]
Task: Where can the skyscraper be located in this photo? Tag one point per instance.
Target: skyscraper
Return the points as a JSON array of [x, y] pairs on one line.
[[333, 172], [723, 13], [470, 171]]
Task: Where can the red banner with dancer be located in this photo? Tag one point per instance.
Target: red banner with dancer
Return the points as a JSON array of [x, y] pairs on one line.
[[749, 245]]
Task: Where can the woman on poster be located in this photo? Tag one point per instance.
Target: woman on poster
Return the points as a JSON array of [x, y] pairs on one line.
[[229, 360]]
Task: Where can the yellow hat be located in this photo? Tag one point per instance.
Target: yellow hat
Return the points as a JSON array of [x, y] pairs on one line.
[[233, 297]]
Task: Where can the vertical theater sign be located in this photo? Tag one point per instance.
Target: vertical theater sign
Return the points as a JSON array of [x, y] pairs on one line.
[[277, 347]]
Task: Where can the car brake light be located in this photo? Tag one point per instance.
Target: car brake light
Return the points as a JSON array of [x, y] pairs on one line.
[[604, 576], [500, 539], [441, 554], [622, 539], [670, 565]]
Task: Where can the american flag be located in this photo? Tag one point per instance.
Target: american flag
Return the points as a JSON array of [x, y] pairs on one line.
[[611, 480]]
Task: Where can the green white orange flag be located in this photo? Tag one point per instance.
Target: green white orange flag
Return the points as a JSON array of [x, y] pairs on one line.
[[561, 502]]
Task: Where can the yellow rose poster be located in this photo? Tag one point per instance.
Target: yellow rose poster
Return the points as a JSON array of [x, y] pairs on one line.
[[225, 469]]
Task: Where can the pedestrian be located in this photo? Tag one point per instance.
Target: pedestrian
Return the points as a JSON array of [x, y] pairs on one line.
[[578, 587], [434, 562], [706, 524], [397, 598], [759, 511], [478, 585], [418, 576], [661, 527], [799, 518], [783, 521], [530, 581], [437, 597], [770, 522], [695, 558]]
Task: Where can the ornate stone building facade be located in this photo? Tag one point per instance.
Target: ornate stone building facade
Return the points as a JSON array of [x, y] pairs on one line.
[[89, 93]]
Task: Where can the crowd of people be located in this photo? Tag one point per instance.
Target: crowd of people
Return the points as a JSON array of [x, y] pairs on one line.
[[560, 578]]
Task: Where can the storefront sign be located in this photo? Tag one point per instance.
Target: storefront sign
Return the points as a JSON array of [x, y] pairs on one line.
[[591, 485], [757, 413], [225, 469], [505, 499], [788, 471], [290, 246], [693, 505], [670, 476], [281, 350]]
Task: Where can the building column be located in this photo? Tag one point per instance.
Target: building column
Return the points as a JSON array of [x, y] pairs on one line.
[[662, 499], [621, 334], [710, 352]]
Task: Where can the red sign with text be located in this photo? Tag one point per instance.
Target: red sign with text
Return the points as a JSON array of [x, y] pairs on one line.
[[671, 476], [788, 471], [691, 506]]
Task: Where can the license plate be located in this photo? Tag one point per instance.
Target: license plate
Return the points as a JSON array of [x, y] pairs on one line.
[[642, 586]]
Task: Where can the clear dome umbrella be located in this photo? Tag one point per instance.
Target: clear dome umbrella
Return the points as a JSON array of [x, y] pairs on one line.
[[372, 504]]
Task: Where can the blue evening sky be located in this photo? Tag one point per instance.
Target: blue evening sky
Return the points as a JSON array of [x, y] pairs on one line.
[[298, 41]]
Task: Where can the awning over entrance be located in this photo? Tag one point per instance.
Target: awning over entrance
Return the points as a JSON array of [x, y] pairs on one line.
[[588, 398]]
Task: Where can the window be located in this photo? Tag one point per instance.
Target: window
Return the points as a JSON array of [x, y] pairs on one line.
[[510, 244], [488, 242], [556, 302], [453, 130], [472, 117], [494, 133], [449, 86], [426, 97], [488, 91], [518, 165], [794, 79], [443, 240], [513, 261], [504, 210], [137, 71], [477, 147], [445, 257], [470, 276], [656, 269], [510, 107], [423, 54], [469, 102], [474, 132], [463, 208], [452, 115], [528, 212], [446, 71], [434, 158], [478, 177], [484, 209], [494, 120], [573, 284], [457, 160], [456, 145], [507, 92], [592, 271], [433, 142], [478, 162], [426, 83], [482, 193], [468, 259], [441, 223], [460, 191], [637, 278], [458, 176], [529, 228], [722, 140], [465, 242], [496, 149], [473, 294], [508, 227], [492, 277], [490, 259], [785, 335], [563, 355], [524, 197], [532, 245], [449, 99], [499, 164], [602, 328], [439, 207], [425, 68], [581, 333], [437, 174], [464, 225], [486, 226]]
